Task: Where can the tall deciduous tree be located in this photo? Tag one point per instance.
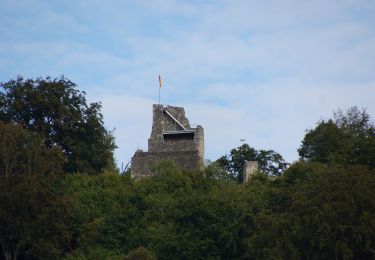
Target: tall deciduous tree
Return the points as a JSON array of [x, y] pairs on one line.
[[360, 132], [349, 138], [58, 111], [326, 143], [33, 218]]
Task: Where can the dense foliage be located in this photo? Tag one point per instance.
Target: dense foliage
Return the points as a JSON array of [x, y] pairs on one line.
[[320, 208], [349, 138], [313, 211], [31, 222], [57, 111]]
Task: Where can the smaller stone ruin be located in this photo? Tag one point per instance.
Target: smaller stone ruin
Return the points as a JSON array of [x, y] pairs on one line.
[[249, 169], [172, 138]]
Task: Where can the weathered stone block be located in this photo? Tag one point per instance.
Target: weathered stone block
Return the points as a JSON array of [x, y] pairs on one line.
[[249, 169]]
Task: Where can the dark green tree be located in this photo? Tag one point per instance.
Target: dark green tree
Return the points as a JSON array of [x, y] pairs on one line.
[[326, 143], [311, 211], [360, 133], [34, 219], [172, 215], [270, 162], [103, 216], [55, 109], [315, 211], [188, 216], [349, 138]]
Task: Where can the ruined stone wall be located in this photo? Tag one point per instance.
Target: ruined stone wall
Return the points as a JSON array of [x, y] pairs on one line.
[[249, 169], [186, 147], [142, 162], [161, 123], [199, 141], [162, 144]]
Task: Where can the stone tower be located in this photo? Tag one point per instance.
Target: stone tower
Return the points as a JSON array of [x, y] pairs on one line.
[[172, 138], [249, 169]]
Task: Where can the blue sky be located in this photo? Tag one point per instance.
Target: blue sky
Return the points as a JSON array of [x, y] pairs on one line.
[[264, 71]]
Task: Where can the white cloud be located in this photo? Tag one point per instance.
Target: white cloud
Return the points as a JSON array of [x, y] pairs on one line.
[[260, 70]]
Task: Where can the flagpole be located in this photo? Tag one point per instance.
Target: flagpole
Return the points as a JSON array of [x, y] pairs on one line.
[[160, 85]]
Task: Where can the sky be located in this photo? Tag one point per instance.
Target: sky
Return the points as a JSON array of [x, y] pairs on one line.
[[264, 71]]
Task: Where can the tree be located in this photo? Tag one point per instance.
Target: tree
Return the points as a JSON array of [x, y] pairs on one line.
[[188, 216], [316, 211], [31, 222], [360, 133], [326, 143], [349, 138], [55, 109], [270, 162]]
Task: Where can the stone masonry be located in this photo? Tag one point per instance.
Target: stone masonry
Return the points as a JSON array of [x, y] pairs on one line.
[[172, 138], [249, 169]]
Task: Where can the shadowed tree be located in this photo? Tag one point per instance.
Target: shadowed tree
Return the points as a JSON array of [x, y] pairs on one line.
[[326, 143], [55, 109], [315, 211], [33, 218], [347, 139]]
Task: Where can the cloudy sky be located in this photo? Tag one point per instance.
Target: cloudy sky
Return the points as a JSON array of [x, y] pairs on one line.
[[264, 71]]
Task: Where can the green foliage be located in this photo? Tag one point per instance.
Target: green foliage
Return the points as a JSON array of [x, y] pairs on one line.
[[140, 253], [173, 215], [315, 211], [30, 209], [95, 253], [103, 214], [58, 111], [312, 211], [269, 161], [326, 143], [215, 170], [348, 139], [189, 221]]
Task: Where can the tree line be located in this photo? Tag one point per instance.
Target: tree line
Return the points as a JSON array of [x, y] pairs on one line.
[[62, 197]]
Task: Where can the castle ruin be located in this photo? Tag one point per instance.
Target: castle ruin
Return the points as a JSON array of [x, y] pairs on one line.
[[172, 138], [250, 168]]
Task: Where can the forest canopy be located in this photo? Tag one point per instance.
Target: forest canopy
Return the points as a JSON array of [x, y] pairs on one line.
[[61, 198]]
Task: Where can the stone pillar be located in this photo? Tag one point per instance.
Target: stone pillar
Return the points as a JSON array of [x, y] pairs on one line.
[[249, 169]]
